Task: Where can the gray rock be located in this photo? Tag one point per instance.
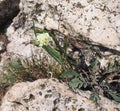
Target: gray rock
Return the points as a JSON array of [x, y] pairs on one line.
[[51, 95], [97, 20]]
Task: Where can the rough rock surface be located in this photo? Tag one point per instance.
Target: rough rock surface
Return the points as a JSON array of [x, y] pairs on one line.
[[51, 95], [97, 19]]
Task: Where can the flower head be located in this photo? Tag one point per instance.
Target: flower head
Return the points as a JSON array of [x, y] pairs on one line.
[[43, 39]]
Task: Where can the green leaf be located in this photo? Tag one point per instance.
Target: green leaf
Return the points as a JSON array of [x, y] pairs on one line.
[[114, 95], [69, 74], [85, 85], [61, 50], [94, 97], [74, 83], [55, 54], [15, 64], [11, 79], [82, 78], [81, 84]]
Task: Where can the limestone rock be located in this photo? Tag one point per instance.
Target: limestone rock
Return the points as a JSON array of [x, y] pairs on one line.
[[51, 95], [96, 19]]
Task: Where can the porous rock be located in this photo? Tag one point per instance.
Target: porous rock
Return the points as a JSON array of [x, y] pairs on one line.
[[51, 95], [95, 19]]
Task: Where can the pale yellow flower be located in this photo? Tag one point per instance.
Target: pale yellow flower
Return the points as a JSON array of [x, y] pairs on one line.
[[43, 39]]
